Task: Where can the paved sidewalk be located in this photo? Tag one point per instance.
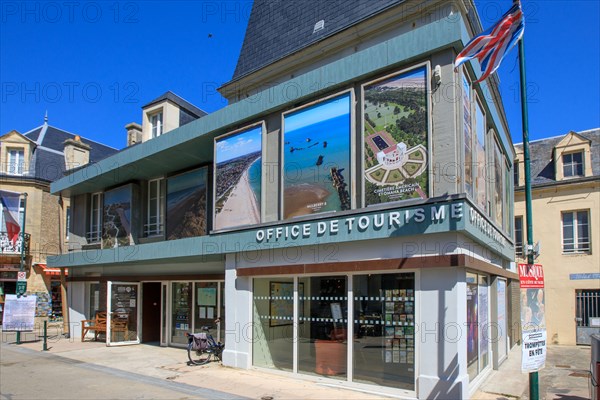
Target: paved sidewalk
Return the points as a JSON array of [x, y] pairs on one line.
[[565, 375], [171, 364]]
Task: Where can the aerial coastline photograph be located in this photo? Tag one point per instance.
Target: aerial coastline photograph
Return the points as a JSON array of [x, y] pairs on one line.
[[238, 173], [186, 204], [117, 218], [317, 158]]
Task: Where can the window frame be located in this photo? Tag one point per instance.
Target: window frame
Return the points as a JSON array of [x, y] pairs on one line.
[[577, 169], [156, 124], [519, 243], [95, 235], [576, 244], [156, 228], [15, 167]]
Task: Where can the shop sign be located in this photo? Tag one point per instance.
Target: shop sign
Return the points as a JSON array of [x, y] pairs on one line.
[[384, 221], [533, 319]]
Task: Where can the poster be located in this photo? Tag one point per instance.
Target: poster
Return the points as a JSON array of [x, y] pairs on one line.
[[116, 230], [237, 180], [207, 296], [19, 313], [533, 317], [186, 204], [316, 158], [396, 138]]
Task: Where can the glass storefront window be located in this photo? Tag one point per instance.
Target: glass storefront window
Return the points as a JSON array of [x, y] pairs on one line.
[[273, 332], [181, 311], [483, 322], [323, 317], [477, 323], [473, 331], [94, 300], [206, 311], [384, 344]]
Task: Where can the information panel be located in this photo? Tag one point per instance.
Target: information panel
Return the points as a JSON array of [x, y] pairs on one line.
[[19, 313]]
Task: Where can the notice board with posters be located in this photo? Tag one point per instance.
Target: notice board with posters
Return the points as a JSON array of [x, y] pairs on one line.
[[19, 313]]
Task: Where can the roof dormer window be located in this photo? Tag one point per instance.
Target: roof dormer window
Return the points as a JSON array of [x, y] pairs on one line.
[[16, 161], [156, 122], [572, 164]]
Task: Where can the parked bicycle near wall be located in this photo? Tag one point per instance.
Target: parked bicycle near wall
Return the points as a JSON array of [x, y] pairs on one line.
[[202, 347]]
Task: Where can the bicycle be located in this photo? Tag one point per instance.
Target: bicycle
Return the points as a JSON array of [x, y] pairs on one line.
[[202, 347]]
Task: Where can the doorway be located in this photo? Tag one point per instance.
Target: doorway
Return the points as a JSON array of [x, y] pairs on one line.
[[151, 312]]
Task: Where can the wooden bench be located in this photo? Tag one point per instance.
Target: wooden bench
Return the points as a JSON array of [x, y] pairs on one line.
[[98, 325]]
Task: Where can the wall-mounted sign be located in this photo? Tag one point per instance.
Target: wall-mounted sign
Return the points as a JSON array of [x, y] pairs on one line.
[[316, 158], [395, 138]]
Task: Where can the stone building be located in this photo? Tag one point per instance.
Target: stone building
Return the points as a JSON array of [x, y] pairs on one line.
[[28, 163], [565, 173]]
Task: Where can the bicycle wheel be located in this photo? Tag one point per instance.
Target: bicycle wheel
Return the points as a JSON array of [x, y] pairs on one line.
[[198, 357]]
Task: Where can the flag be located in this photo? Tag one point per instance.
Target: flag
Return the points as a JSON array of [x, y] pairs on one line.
[[491, 46], [10, 209]]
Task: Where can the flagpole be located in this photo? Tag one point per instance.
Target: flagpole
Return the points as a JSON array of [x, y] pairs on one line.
[[533, 376]]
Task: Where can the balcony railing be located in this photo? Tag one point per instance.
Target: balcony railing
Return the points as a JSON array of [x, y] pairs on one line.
[[8, 247]]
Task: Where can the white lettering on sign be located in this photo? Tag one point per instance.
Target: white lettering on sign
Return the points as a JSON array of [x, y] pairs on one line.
[[390, 221], [486, 227]]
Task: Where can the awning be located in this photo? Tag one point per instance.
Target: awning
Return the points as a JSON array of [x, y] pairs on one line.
[[52, 271]]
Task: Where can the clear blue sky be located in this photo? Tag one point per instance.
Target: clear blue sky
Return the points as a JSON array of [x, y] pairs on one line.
[[92, 65]]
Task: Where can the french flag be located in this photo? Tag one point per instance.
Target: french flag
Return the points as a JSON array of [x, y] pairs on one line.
[[10, 208]]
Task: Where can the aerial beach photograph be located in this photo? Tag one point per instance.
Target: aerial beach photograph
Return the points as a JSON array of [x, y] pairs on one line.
[[238, 173], [317, 158]]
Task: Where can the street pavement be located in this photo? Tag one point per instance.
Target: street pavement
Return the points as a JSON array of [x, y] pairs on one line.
[[74, 370]]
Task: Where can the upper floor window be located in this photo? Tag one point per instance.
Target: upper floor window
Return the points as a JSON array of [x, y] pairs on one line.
[[572, 164], [95, 222], [519, 235], [156, 122], [516, 173], [576, 232], [16, 161], [156, 205]]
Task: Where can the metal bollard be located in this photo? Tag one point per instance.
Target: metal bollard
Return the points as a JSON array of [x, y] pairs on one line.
[[18, 337], [45, 347]]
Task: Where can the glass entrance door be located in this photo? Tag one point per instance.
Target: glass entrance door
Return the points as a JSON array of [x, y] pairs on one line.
[[122, 325]]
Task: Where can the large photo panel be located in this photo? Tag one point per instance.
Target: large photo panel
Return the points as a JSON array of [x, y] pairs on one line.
[[116, 231], [238, 180], [395, 137], [316, 158], [186, 204]]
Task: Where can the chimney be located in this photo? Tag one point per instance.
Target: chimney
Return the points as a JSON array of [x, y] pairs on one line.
[[76, 152], [134, 133]]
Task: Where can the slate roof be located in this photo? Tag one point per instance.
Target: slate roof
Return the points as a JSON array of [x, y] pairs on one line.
[[278, 28], [182, 103], [48, 161], [542, 156]]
